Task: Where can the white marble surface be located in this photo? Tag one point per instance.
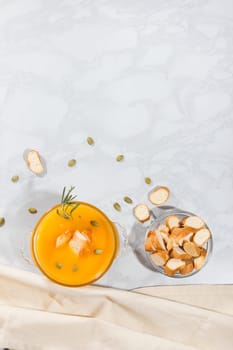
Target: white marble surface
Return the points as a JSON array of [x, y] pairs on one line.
[[150, 79]]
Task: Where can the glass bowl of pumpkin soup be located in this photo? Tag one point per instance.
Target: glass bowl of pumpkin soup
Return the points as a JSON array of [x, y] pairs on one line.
[[75, 246]]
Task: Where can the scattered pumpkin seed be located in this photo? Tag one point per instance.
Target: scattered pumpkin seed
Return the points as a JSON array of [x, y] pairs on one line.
[[98, 251], [15, 178], [2, 221], [72, 162], [90, 141], [119, 158], [58, 265], [94, 223], [117, 206], [128, 200], [32, 210], [75, 268], [148, 180]]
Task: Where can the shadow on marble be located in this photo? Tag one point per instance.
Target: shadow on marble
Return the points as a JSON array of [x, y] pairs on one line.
[[22, 223]]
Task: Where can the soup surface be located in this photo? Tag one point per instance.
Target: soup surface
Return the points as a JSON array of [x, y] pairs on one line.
[[85, 254]]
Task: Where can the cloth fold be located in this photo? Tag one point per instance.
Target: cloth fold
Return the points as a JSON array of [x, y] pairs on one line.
[[37, 314]]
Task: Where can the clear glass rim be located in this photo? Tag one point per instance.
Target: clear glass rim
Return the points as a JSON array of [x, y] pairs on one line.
[[37, 262], [161, 217]]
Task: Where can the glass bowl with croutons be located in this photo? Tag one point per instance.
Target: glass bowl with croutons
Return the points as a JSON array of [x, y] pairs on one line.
[[178, 243]]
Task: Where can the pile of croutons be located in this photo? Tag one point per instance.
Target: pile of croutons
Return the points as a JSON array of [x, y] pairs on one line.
[[178, 246]]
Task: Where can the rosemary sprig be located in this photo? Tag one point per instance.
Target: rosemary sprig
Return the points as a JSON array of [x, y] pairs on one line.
[[67, 200]]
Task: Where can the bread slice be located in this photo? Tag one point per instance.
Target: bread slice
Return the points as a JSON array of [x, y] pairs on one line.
[[201, 237], [203, 252], [188, 268], [80, 243], [173, 265], [187, 238], [193, 221], [34, 162], [180, 232], [164, 236], [158, 241], [172, 221], [179, 253], [148, 246], [159, 195], [63, 238], [199, 262], [163, 228], [191, 249], [171, 243], [142, 212], [160, 258]]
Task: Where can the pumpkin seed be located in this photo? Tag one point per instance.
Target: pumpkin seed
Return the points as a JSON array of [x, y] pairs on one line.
[[72, 162], [119, 158], [58, 265], [75, 268], [90, 141], [94, 223], [128, 200], [117, 206], [15, 178], [98, 251], [2, 221], [32, 210], [148, 180]]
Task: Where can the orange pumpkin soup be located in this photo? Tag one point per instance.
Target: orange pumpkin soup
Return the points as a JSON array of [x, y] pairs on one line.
[[77, 251]]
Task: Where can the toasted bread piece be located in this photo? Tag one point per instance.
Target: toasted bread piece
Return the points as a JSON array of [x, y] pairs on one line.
[[173, 265], [193, 221], [171, 243], [172, 221], [191, 249], [203, 251], [179, 253], [34, 162], [80, 243], [141, 212], [148, 246], [188, 237], [63, 238], [159, 195], [199, 262], [201, 237], [188, 268], [164, 236], [163, 228], [158, 241], [151, 233], [160, 258], [180, 232], [168, 271]]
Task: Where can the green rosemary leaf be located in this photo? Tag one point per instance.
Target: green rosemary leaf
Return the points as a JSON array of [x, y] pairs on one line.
[[74, 208], [67, 201]]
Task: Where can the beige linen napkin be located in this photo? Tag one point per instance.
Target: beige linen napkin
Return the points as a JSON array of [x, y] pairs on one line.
[[37, 314]]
